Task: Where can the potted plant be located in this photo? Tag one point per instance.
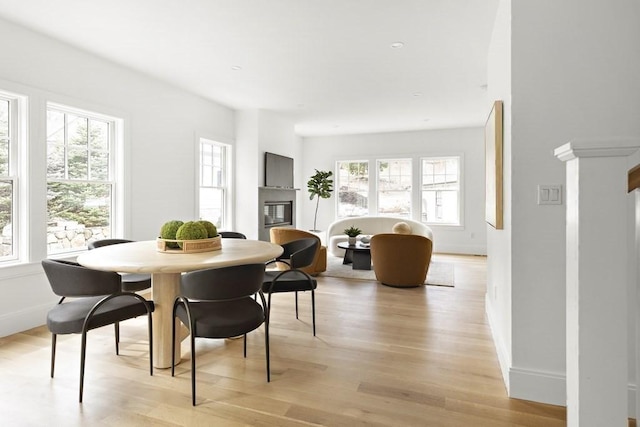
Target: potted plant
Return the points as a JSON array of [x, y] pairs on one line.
[[352, 232], [320, 184]]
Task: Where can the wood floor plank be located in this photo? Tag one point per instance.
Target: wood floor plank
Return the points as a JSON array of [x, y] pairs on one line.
[[382, 356]]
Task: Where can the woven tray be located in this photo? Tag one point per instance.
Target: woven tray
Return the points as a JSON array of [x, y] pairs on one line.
[[190, 246]]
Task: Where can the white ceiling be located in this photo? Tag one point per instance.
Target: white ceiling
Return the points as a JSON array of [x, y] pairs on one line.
[[328, 64]]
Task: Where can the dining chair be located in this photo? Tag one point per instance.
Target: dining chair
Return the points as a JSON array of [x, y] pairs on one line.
[[131, 282], [231, 235], [97, 300], [297, 254], [219, 303]]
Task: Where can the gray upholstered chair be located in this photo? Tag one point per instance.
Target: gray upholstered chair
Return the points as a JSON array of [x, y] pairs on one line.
[[297, 254], [131, 282], [231, 235], [219, 303], [98, 300]]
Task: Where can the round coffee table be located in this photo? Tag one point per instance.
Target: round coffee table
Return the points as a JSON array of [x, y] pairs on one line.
[[358, 255]]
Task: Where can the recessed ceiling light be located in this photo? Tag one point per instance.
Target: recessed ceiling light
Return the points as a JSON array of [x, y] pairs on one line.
[[397, 45], [484, 86], [417, 94], [425, 120], [236, 68]]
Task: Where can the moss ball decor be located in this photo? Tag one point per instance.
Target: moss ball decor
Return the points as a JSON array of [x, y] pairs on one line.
[[212, 231], [169, 230], [191, 230]]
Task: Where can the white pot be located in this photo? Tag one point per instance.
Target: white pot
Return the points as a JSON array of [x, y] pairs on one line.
[[352, 240]]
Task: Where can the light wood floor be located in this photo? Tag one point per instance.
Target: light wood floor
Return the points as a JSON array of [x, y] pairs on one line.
[[382, 357]]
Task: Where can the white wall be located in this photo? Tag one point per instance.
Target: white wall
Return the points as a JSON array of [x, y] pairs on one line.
[[161, 124], [574, 68], [498, 296], [322, 153]]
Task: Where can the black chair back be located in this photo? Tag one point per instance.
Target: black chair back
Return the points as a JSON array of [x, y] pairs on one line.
[[69, 279], [301, 252], [106, 242], [235, 282], [231, 235]]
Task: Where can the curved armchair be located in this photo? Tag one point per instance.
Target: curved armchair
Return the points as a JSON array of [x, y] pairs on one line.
[[96, 299], [401, 260], [218, 303], [297, 255], [131, 282], [281, 235]]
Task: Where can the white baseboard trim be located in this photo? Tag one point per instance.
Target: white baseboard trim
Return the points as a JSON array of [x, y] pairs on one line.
[[19, 321], [501, 349], [460, 249], [538, 386]]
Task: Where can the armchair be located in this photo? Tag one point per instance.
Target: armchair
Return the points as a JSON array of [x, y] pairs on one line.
[[401, 260], [280, 235]]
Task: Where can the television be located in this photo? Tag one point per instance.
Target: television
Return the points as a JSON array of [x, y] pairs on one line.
[[278, 171]]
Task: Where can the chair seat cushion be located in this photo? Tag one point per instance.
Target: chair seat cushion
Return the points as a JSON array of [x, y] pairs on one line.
[[222, 319], [68, 317], [289, 282]]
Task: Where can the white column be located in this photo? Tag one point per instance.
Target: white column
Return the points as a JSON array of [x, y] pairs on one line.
[[597, 348]]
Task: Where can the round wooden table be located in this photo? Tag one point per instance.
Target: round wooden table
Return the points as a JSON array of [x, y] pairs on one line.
[[165, 269]]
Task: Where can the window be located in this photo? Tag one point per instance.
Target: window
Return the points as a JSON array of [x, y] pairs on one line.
[[441, 190], [214, 182], [10, 123], [80, 178], [394, 188], [353, 188]]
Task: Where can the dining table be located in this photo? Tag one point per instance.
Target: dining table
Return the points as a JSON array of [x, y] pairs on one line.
[[166, 268]]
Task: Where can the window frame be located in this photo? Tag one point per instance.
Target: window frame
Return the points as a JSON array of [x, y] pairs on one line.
[[460, 190], [116, 166], [337, 187], [227, 174], [411, 180], [16, 165]]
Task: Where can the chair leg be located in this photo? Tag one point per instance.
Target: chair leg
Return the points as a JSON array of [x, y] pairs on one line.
[[266, 349], [116, 326], [173, 345], [53, 353], [151, 343], [193, 369], [296, 304], [83, 351], [245, 346], [313, 311]]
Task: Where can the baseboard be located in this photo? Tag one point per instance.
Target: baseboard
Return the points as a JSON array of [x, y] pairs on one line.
[[460, 249], [538, 386], [19, 321], [501, 349]]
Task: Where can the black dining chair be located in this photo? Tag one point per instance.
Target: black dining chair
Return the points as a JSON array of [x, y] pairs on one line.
[[296, 254], [97, 300], [231, 235], [131, 282], [219, 303]]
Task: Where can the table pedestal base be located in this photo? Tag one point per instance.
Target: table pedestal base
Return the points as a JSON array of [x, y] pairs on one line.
[[165, 287]]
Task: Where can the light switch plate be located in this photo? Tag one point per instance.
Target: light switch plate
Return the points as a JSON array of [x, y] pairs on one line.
[[550, 194]]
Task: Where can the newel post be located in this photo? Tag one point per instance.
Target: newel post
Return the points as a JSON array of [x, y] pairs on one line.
[[596, 281]]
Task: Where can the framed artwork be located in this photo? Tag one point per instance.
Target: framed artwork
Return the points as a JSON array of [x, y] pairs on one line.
[[493, 166]]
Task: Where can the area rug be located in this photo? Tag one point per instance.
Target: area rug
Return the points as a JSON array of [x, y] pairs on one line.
[[440, 273]]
